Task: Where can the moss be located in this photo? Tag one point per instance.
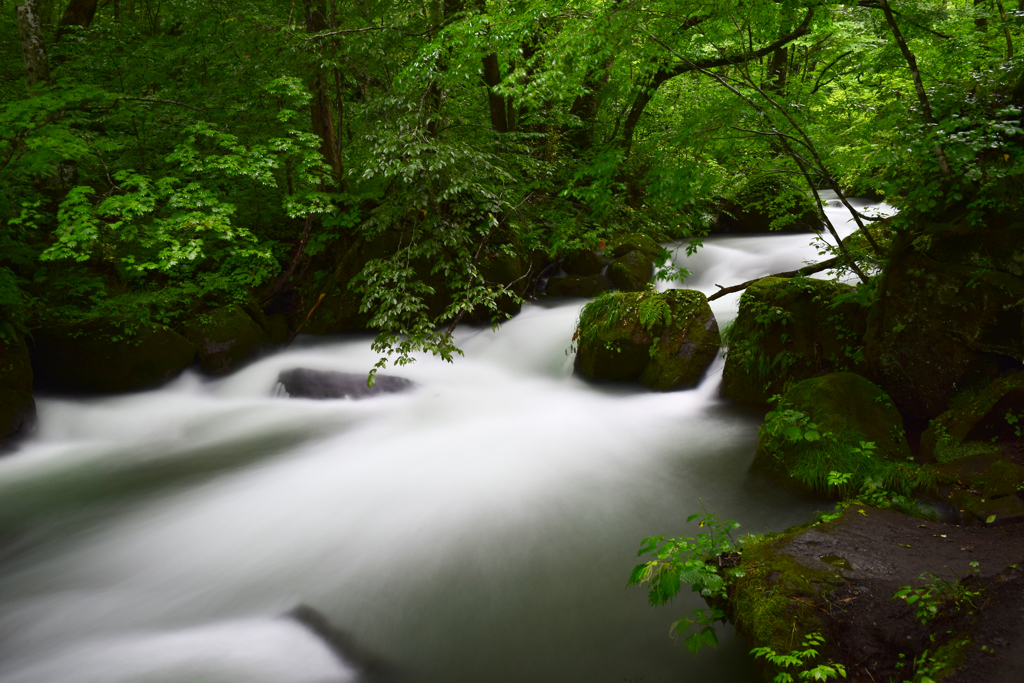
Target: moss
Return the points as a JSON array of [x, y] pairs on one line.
[[664, 341], [17, 413], [101, 357], [15, 364], [1003, 478], [620, 246], [848, 410], [947, 314], [951, 655], [998, 510], [788, 330], [587, 286], [499, 268], [632, 272], [224, 338], [772, 603], [584, 262], [995, 413]]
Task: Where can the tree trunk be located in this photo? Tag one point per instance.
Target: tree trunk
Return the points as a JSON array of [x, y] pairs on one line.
[[586, 106], [79, 13], [1006, 30], [922, 96], [321, 112], [777, 72], [33, 50], [492, 77]]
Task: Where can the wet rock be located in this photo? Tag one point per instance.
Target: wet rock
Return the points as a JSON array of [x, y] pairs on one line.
[[343, 644], [947, 316], [324, 384], [765, 206], [103, 357], [584, 262], [17, 407], [225, 338], [587, 286], [620, 246], [847, 409], [631, 272], [664, 341], [838, 578], [17, 414], [1002, 510], [788, 330], [995, 414], [503, 268]]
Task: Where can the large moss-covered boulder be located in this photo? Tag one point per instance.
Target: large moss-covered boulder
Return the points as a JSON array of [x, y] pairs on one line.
[[225, 338], [505, 268], [105, 357], [788, 330], [948, 315], [631, 272], [584, 262], [767, 205], [841, 412], [17, 407], [978, 423], [664, 341], [587, 286], [620, 246]]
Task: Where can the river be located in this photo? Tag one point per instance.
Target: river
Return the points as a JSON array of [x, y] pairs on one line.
[[478, 528]]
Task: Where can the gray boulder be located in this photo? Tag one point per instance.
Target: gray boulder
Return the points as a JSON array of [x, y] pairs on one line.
[[325, 384]]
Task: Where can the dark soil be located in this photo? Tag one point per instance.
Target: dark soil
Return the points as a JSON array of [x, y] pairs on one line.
[[879, 551]]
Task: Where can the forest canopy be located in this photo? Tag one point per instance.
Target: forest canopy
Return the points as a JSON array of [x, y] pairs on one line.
[[157, 158]]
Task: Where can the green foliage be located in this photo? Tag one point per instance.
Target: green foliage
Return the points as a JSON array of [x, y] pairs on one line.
[[182, 158], [843, 463], [803, 661], [695, 561], [938, 594]]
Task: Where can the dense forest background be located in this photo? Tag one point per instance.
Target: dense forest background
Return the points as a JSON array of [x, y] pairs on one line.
[[158, 158]]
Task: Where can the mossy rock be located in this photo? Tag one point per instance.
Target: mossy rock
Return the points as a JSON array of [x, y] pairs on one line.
[[15, 363], [17, 408], [631, 272], [17, 413], [620, 246], [276, 327], [664, 341], [499, 268], [771, 603], [974, 426], [768, 205], [102, 357], [947, 314], [979, 508], [847, 409], [587, 286], [788, 330], [225, 338], [584, 262]]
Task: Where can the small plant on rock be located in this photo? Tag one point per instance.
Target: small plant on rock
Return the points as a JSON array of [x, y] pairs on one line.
[[929, 599], [802, 661], [693, 560]]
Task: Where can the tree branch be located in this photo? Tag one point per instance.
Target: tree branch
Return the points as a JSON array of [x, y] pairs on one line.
[[802, 272]]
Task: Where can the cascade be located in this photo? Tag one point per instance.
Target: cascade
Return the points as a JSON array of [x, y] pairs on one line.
[[478, 527]]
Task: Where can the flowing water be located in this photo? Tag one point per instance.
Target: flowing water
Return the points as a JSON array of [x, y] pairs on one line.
[[478, 528]]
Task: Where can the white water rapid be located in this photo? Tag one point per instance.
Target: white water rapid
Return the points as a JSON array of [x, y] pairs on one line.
[[478, 528]]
